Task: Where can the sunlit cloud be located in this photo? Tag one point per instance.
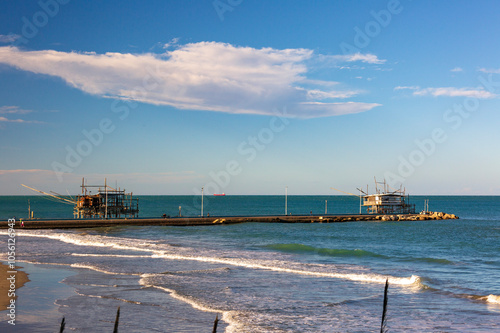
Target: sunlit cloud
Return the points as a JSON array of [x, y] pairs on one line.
[[200, 76]]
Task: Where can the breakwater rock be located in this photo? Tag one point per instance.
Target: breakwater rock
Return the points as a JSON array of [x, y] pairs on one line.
[[417, 217]]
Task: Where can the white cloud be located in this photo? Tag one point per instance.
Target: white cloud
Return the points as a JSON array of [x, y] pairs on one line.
[[406, 87], [455, 92], [457, 69], [199, 76], [449, 92], [320, 94], [318, 109], [366, 58], [173, 42], [491, 71]]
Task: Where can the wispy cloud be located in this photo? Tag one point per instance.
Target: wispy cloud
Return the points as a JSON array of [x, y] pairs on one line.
[[455, 92], [9, 38], [365, 58], [26, 171], [11, 109], [3, 119], [337, 109], [457, 69], [491, 70], [199, 76], [406, 87], [320, 94], [449, 92], [6, 120]]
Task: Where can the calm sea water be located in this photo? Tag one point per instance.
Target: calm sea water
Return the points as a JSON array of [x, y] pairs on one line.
[[444, 275]]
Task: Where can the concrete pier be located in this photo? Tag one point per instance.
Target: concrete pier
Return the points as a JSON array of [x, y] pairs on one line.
[[214, 220]]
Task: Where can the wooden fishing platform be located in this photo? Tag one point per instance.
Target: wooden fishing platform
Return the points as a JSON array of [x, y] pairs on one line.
[[216, 220]]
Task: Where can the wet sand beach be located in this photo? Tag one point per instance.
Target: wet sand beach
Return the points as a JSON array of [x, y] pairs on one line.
[[21, 279]]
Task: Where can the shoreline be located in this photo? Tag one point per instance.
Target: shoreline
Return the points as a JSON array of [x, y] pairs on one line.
[[36, 307], [44, 302], [21, 279]]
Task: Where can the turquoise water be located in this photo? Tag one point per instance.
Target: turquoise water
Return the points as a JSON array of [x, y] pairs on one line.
[[444, 275], [156, 206]]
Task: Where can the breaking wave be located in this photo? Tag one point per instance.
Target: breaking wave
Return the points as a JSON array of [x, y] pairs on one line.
[[494, 299], [166, 251]]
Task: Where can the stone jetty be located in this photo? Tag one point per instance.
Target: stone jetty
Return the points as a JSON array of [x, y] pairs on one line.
[[216, 220]]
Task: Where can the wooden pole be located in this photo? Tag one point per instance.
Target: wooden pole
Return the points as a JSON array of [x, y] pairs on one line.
[[383, 324], [215, 323], [115, 330], [63, 324]]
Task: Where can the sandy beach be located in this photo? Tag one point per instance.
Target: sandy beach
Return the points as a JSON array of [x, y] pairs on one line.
[[21, 279]]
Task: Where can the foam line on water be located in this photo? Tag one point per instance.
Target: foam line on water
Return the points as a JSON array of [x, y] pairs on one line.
[[124, 244], [96, 241], [86, 266], [374, 278], [108, 255], [227, 316]]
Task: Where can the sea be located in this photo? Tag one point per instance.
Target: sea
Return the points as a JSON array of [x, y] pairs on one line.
[[443, 275]]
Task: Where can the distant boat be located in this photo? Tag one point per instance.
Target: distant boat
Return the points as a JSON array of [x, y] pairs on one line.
[[220, 194]]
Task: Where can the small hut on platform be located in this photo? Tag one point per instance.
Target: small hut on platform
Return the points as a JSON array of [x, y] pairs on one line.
[[107, 202], [387, 202]]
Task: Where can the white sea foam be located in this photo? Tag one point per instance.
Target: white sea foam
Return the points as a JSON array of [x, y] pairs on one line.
[[227, 316], [94, 241], [494, 299], [156, 251], [373, 278], [94, 268], [108, 255]]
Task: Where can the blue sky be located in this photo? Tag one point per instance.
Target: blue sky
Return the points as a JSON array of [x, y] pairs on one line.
[[250, 97]]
